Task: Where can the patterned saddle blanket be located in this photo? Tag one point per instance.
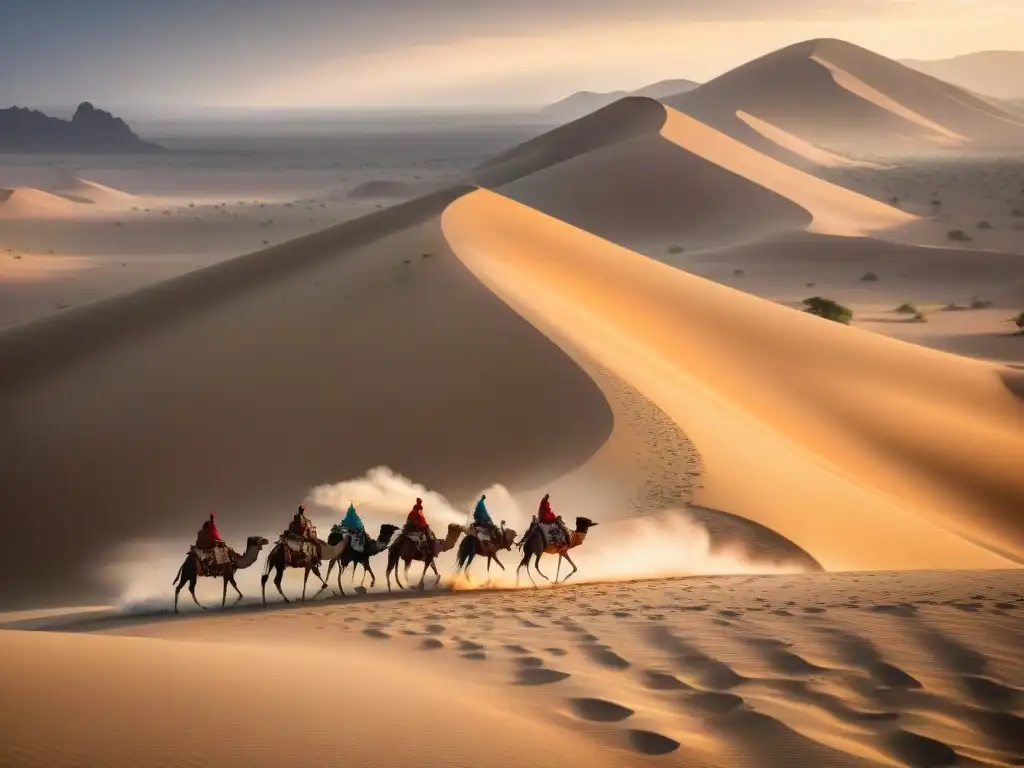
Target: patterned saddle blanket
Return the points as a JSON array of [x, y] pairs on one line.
[[357, 542], [212, 559], [554, 536], [481, 532], [300, 551]]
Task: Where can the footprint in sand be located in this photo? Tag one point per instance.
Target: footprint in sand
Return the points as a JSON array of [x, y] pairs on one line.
[[529, 661], [605, 657], [377, 634], [516, 649], [599, 710], [431, 644], [651, 743], [662, 681], [475, 656], [712, 703], [539, 676]]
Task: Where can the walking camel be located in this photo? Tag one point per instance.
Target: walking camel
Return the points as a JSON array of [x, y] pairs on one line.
[[472, 546], [534, 545], [353, 557], [278, 559], [407, 550], [189, 572]]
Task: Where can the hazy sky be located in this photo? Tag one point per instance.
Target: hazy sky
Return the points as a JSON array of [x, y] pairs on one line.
[[439, 52]]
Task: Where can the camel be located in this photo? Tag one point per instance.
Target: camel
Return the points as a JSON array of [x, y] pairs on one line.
[[189, 571], [276, 559], [533, 545], [407, 550], [351, 556], [472, 546]]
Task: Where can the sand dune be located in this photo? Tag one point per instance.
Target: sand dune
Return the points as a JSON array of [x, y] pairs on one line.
[[837, 96], [869, 669], [82, 190], [897, 491], [28, 203], [680, 180], [241, 386]]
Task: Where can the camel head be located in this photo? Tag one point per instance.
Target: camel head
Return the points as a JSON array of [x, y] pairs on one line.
[[584, 524], [386, 532], [256, 541], [508, 537]]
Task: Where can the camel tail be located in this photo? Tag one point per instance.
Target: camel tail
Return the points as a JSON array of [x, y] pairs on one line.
[[466, 549]]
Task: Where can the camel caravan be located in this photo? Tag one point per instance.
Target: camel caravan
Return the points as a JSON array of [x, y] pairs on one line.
[[348, 544]]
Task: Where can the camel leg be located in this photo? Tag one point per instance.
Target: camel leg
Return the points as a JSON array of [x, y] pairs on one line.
[[192, 590], [277, 583], [368, 570], [398, 581], [558, 570], [305, 578], [574, 568], [330, 566], [177, 591], [323, 583], [423, 576], [495, 557], [233, 584], [224, 597], [525, 562], [341, 589], [433, 567], [536, 567]]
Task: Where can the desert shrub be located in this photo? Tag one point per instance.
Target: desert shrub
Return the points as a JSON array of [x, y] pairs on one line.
[[954, 307], [828, 309], [894, 200], [739, 272], [906, 309], [979, 303], [919, 317], [958, 236], [1018, 321], [936, 203], [869, 277], [1017, 213], [809, 285], [984, 225], [675, 249]]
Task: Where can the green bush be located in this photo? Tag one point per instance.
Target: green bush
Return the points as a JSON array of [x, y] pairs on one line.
[[906, 309], [869, 277], [1019, 321], [919, 317], [828, 309], [979, 303], [675, 249], [958, 236]]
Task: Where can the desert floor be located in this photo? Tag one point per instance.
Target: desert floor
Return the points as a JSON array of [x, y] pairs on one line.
[[886, 668]]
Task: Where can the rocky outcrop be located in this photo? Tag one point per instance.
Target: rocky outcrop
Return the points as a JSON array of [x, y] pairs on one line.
[[90, 130]]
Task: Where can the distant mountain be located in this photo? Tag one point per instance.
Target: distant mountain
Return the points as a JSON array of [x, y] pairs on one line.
[[584, 102], [990, 73], [90, 130]]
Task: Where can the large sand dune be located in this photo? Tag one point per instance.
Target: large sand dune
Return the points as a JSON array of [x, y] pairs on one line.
[[239, 387], [841, 97], [792, 415], [679, 178]]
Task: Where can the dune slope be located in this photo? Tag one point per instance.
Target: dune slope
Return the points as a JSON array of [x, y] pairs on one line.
[[687, 183], [776, 399], [839, 96], [239, 387]]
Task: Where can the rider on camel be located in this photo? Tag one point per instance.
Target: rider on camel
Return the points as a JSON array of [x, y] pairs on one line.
[[547, 516], [351, 524], [208, 535], [300, 527], [417, 521], [482, 518]]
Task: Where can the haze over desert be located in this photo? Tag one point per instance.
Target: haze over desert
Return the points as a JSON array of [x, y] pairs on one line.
[[753, 335]]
